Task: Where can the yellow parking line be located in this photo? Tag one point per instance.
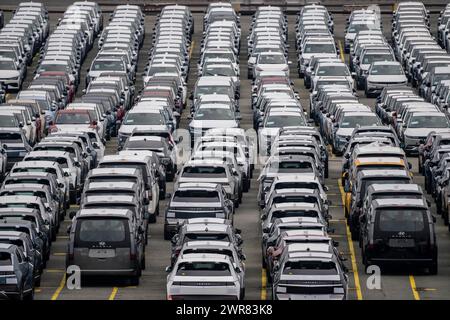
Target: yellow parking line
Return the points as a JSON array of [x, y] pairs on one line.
[[59, 289], [352, 250], [113, 293], [412, 282], [191, 49], [263, 284], [341, 50]]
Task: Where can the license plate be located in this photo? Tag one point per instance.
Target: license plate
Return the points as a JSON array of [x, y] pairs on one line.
[[401, 243], [102, 253]]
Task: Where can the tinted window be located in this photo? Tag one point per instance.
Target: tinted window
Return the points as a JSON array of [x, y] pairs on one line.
[[106, 230], [196, 196], [5, 259], [401, 220], [203, 269], [310, 267]]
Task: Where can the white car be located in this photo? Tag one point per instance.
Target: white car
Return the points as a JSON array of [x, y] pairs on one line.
[[198, 275]]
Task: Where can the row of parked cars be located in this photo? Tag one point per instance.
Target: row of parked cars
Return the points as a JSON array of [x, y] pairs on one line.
[[207, 259], [21, 38], [215, 99], [297, 249], [51, 172]]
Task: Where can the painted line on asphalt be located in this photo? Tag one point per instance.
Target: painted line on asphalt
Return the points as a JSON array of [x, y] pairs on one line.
[[59, 289], [412, 282], [341, 50], [263, 284], [113, 294], [352, 250], [191, 49]]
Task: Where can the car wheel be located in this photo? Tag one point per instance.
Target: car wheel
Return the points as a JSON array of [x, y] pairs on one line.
[[242, 294], [167, 235], [37, 282], [29, 296], [152, 218], [433, 268], [236, 204], [143, 263], [134, 280]]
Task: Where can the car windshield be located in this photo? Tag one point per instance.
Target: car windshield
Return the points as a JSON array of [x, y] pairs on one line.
[[167, 69], [333, 71], [5, 259], [101, 230], [73, 118], [7, 121], [354, 28], [111, 65], [62, 161], [204, 171], [310, 267], [144, 119], [294, 213], [206, 236], [214, 114], [196, 196], [201, 90], [399, 220], [207, 269], [320, 48], [272, 59], [287, 166], [360, 120], [369, 58], [7, 65], [8, 54], [9, 137], [278, 121], [387, 69], [50, 67], [439, 121], [219, 71]]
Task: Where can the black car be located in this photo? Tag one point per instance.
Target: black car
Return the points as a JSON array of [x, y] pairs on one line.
[[399, 231]]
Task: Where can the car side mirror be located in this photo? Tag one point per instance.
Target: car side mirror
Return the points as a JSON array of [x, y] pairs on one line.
[[168, 269], [174, 239]]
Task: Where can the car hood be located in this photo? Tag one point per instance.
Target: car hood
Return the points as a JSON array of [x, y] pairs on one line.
[[386, 78], [346, 132], [200, 124], [128, 129], [422, 132], [268, 131], [6, 74], [6, 268]]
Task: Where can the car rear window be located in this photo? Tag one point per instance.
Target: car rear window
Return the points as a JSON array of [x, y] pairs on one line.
[[401, 220], [208, 171], [102, 230], [196, 196], [5, 259], [203, 269], [310, 267]]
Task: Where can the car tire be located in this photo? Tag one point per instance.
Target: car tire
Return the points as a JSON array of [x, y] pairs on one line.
[[143, 263], [167, 235], [236, 204], [29, 296], [433, 268], [134, 280], [242, 294], [152, 218], [37, 282]]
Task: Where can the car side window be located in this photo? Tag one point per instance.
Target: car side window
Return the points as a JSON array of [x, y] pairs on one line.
[[19, 255]]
